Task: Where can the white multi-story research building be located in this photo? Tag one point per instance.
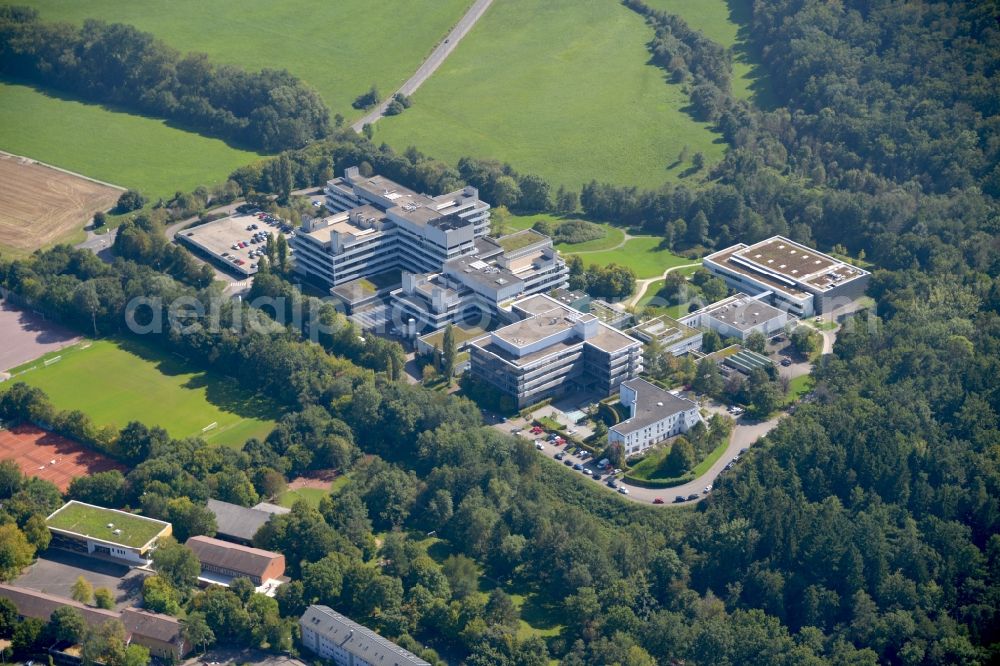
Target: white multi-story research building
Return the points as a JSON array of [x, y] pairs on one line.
[[654, 415], [376, 225], [554, 349]]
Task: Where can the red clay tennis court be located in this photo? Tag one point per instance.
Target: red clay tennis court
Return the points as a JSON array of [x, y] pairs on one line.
[[34, 450]]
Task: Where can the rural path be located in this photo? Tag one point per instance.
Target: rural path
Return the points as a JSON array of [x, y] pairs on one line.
[[433, 61], [644, 283]]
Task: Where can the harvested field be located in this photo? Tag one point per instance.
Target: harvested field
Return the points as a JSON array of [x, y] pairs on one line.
[[34, 449], [26, 336], [41, 205]]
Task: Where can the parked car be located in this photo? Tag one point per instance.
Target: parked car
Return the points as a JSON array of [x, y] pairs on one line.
[[707, 489], [693, 496], [538, 445], [623, 490], [611, 483], [586, 471], [785, 362], [604, 463], [679, 499], [658, 500], [567, 462], [598, 476], [560, 455]]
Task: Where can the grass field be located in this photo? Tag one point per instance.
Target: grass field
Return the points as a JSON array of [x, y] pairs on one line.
[[642, 254], [41, 206], [798, 387], [117, 382], [121, 148], [136, 531], [311, 496], [339, 47], [560, 88]]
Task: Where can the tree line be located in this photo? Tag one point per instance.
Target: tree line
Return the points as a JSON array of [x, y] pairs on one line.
[[269, 110]]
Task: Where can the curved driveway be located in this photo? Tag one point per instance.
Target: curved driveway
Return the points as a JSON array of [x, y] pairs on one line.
[[428, 67]]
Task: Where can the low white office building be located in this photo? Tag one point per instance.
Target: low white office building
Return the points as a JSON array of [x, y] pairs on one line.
[[738, 317], [331, 636], [654, 415], [789, 275]]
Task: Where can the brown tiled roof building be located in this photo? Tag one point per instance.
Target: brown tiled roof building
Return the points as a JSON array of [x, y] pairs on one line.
[[161, 634], [232, 560]]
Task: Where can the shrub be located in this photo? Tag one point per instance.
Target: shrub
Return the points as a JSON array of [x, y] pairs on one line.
[[578, 231]]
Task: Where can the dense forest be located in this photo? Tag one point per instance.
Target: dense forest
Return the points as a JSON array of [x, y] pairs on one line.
[[864, 529], [117, 64]]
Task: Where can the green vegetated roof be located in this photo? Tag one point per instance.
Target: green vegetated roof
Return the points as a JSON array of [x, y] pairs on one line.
[[93, 521], [520, 239]]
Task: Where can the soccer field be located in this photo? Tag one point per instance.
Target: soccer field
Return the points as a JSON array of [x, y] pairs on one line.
[[115, 382]]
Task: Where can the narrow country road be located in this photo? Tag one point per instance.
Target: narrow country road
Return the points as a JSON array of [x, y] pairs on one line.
[[429, 66], [644, 284]]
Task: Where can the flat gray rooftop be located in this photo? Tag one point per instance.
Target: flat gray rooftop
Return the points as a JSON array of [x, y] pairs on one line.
[[218, 237], [652, 404], [742, 312]]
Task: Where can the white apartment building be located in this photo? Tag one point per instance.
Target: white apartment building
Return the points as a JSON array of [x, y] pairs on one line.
[[376, 225], [737, 317], [789, 275], [472, 289], [654, 415], [331, 636], [553, 349]]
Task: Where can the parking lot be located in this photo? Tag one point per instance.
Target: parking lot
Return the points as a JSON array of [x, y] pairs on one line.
[[55, 571], [236, 242]]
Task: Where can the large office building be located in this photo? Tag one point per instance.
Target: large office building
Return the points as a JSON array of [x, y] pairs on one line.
[[654, 415], [473, 289], [333, 637], [552, 349], [789, 275], [376, 225], [738, 316]]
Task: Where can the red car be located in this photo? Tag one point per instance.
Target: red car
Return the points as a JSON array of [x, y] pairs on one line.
[[658, 500]]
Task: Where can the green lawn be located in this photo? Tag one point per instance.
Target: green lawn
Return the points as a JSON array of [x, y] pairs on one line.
[[136, 531], [312, 496], [560, 88], [115, 382], [643, 255], [339, 47], [798, 387], [121, 148], [613, 237]]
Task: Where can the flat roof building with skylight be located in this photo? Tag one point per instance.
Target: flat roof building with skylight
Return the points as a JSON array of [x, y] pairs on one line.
[[738, 316], [791, 276]]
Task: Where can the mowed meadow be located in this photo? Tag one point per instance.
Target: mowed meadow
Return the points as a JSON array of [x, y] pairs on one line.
[[339, 47], [118, 147], [559, 88]]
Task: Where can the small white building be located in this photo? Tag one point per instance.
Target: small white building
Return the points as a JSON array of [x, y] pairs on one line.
[[654, 415], [738, 317]]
